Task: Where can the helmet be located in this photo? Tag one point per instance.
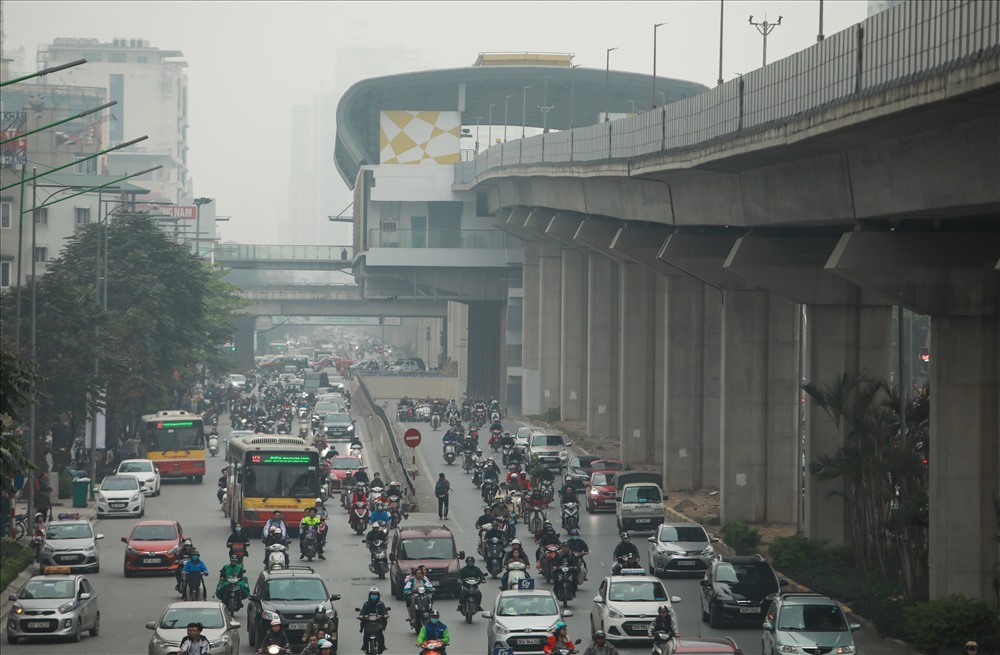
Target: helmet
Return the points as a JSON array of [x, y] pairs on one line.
[[560, 626], [275, 621], [319, 501], [235, 559], [274, 529], [187, 542], [323, 643], [515, 542], [374, 593], [513, 467], [479, 451], [547, 524], [394, 483], [195, 554], [470, 560], [574, 534], [523, 475], [569, 478], [435, 614], [490, 460], [599, 634], [376, 525], [625, 535], [320, 612], [487, 526]]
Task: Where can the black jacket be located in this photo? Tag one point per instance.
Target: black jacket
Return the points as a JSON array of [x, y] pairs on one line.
[[624, 549]]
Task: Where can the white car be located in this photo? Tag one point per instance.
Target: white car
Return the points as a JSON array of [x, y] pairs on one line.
[[626, 604], [237, 381], [145, 471], [522, 620], [120, 495]]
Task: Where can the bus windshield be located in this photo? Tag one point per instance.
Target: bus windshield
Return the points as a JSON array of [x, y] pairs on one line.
[[164, 436], [276, 479]]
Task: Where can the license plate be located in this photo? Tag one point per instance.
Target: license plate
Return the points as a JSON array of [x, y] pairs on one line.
[[525, 642], [643, 520], [749, 610], [685, 562], [150, 560], [298, 626], [38, 624], [118, 505]]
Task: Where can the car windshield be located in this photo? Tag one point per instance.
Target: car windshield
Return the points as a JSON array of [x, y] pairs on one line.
[[604, 478], [119, 484], [178, 617], [430, 548], [39, 589], [136, 467], [547, 440], [582, 462], [641, 495], [812, 618], [70, 531], [683, 533], [527, 606], [637, 591], [337, 418], [327, 407], [344, 463], [296, 589], [154, 533], [746, 574]]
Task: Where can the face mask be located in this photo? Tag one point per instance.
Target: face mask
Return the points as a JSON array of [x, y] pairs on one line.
[[373, 598], [434, 620]]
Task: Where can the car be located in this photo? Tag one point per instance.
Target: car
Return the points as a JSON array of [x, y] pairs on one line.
[[522, 620], [338, 426], [365, 365], [340, 466], [71, 544], [237, 381], [706, 646], [219, 627], [145, 470], [807, 623], [291, 595], [550, 448], [607, 465], [579, 468], [626, 604], [601, 491], [328, 403], [54, 604], [521, 437], [120, 495], [153, 546], [432, 547], [737, 590], [406, 366], [680, 548], [405, 361]]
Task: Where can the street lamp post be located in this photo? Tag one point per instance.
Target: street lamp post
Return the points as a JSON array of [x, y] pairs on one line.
[[607, 76], [490, 133], [655, 27], [663, 97], [722, 13], [632, 102], [506, 103], [572, 92], [765, 28], [819, 36], [478, 118], [524, 107], [198, 202]]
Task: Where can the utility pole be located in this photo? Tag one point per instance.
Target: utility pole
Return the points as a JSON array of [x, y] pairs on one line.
[[478, 118], [545, 107], [524, 107], [572, 93], [655, 27], [765, 28], [722, 11], [820, 37], [490, 132], [607, 75], [506, 105]]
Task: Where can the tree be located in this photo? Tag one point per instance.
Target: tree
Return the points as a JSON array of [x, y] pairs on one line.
[[17, 384]]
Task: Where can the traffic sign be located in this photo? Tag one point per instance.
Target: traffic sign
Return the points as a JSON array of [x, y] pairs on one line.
[[412, 437]]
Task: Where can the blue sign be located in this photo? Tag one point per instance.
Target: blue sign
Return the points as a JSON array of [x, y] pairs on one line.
[[526, 584], [500, 650]]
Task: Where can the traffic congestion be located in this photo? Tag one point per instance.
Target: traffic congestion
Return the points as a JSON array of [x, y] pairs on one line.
[[269, 524]]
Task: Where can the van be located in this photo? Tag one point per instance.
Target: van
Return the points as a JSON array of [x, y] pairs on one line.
[[639, 500], [429, 546]]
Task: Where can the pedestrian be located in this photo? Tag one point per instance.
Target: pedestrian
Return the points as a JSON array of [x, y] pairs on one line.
[[441, 490], [43, 491], [131, 447]]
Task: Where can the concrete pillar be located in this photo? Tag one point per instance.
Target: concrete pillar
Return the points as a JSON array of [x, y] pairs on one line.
[[711, 443], [573, 341], [549, 324], [683, 391], [458, 341], [637, 348], [839, 339], [530, 389], [486, 342], [759, 387], [964, 455], [602, 347], [659, 363]]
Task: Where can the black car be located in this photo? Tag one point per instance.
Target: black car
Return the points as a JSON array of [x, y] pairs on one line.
[[292, 595], [579, 469], [738, 589]]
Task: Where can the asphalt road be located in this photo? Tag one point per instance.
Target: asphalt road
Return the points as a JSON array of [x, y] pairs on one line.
[[127, 604]]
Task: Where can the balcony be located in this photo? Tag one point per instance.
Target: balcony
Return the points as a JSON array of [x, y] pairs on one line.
[[442, 248]]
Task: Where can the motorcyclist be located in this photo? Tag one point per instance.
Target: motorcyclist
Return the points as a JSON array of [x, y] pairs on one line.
[[484, 518], [238, 543], [525, 481], [665, 621], [580, 549], [495, 406], [275, 537], [506, 440], [470, 570], [513, 473], [380, 515], [516, 554], [275, 636], [515, 457], [322, 620], [310, 520], [376, 481], [359, 495], [374, 605], [559, 639], [187, 548], [547, 537], [625, 548], [276, 521], [601, 645], [375, 535], [418, 579], [233, 570], [194, 564], [434, 630], [568, 492], [223, 483], [491, 471], [478, 459], [361, 476], [450, 438], [630, 561]]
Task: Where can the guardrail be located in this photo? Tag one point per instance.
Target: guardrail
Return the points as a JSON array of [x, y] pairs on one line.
[[410, 374], [242, 251], [393, 463]]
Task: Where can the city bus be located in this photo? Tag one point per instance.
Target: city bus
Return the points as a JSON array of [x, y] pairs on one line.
[[278, 348], [175, 441], [269, 472]]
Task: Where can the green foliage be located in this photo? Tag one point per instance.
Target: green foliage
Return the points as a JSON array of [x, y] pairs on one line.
[[65, 485], [17, 381], [14, 558], [741, 537], [945, 625]]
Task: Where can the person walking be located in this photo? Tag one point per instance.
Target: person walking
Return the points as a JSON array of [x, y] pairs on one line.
[[441, 490]]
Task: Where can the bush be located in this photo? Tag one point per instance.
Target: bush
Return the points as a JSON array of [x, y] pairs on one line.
[[946, 624], [14, 558], [741, 537]]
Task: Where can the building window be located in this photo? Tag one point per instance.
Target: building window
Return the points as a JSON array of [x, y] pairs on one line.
[[4, 275], [82, 215], [41, 254], [42, 216], [6, 213], [389, 226], [92, 56], [117, 57], [86, 167], [142, 59]]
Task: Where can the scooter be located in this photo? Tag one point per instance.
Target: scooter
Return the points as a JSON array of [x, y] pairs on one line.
[[564, 583], [471, 588], [276, 556], [379, 564], [435, 421], [310, 543], [493, 556], [213, 444], [233, 594], [449, 453], [371, 626], [516, 571], [663, 643], [422, 604], [359, 517], [570, 515], [434, 647]]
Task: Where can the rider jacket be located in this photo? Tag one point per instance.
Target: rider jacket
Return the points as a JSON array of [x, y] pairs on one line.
[[568, 559], [625, 549], [272, 637], [578, 546], [483, 520], [555, 642], [668, 625], [379, 515], [517, 557], [376, 535]]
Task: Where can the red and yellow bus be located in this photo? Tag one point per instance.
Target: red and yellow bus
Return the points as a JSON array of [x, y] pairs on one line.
[[175, 441], [269, 472]]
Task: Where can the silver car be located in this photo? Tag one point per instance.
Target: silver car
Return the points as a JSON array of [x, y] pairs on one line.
[[523, 620], [72, 544], [680, 548], [54, 605], [219, 627]]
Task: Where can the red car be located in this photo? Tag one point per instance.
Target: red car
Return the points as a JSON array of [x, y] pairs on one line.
[[340, 466], [153, 546], [601, 490]]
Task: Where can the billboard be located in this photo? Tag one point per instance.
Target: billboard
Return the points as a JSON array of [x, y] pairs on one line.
[[419, 137], [12, 125], [185, 212]]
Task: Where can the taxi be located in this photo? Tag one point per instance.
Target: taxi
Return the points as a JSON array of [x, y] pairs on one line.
[[627, 603], [56, 603]]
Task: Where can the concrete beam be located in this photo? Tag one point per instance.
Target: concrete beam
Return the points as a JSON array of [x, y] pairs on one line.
[[702, 256], [537, 220], [563, 226], [515, 222], [793, 266], [501, 217], [942, 274], [641, 245], [573, 340], [595, 234], [422, 308]]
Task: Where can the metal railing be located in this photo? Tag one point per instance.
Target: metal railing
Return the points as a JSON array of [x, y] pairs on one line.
[[437, 238], [240, 251], [903, 43], [393, 463]]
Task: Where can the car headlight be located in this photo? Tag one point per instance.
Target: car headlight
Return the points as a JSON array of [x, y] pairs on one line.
[[221, 643], [101, 498], [91, 548], [65, 608], [173, 550], [500, 629], [18, 609], [47, 549], [159, 643], [708, 552], [350, 428], [844, 650], [135, 498], [131, 551], [784, 648], [268, 615], [594, 492], [615, 614]]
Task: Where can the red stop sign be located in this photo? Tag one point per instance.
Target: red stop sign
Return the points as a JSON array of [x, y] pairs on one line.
[[412, 437]]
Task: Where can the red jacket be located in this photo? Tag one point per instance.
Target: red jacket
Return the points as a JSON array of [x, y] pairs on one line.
[[554, 643]]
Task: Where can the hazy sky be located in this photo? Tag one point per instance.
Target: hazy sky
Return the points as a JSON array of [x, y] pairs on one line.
[[250, 62]]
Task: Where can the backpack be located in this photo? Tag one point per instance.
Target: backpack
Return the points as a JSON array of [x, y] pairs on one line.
[[441, 488]]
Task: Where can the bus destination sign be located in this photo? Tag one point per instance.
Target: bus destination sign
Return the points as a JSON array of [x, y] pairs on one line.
[[257, 458]]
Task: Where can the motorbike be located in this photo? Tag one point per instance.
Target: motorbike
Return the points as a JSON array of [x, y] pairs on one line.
[[564, 584], [495, 417], [355, 451], [303, 431], [494, 556], [507, 449], [435, 421], [422, 604], [302, 412], [232, 594], [310, 543], [433, 647], [467, 464], [477, 474], [494, 442], [274, 649], [548, 490], [471, 588], [359, 517], [449, 453], [371, 626], [379, 564], [563, 650], [276, 556], [213, 444], [516, 571], [570, 515], [489, 490], [623, 563], [663, 643], [545, 562], [537, 520], [480, 416], [193, 585]]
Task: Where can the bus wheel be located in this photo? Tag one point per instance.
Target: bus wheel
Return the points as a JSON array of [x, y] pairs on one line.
[[198, 479]]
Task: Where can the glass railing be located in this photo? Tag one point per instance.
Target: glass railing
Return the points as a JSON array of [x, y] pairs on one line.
[[232, 251], [471, 239]]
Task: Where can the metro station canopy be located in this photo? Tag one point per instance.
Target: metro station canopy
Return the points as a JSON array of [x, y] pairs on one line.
[[576, 97]]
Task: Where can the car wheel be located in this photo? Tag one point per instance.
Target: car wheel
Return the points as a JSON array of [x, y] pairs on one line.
[[198, 479], [11, 639], [714, 619], [128, 574], [76, 636], [96, 569], [96, 628], [142, 513], [157, 492], [399, 590], [592, 630], [590, 510], [251, 633]]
